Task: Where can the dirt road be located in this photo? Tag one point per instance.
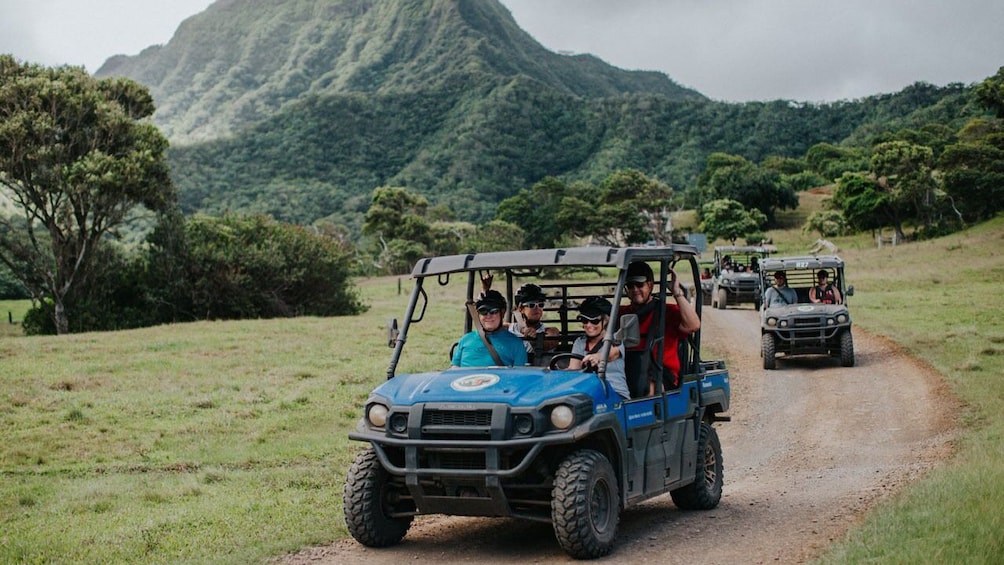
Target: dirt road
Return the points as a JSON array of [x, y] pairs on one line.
[[810, 447]]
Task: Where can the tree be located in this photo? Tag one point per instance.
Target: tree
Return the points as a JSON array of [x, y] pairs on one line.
[[495, 235], [535, 211], [240, 267], [731, 177], [728, 219], [973, 170], [396, 213], [397, 218], [990, 93], [627, 207], [904, 170], [76, 156], [863, 203]]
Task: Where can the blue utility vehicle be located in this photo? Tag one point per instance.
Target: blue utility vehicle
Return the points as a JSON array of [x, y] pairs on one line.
[[537, 442]]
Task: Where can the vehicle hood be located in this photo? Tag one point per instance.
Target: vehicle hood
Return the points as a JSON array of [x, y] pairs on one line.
[[518, 386], [804, 309]]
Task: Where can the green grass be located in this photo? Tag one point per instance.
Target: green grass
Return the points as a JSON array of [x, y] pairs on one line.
[[12, 310], [941, 301], [226, 442]]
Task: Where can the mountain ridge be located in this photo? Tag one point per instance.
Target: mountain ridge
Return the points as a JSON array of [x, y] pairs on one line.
[[242, 61]]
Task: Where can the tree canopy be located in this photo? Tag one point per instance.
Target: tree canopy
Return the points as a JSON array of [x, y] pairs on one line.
[[76, 156]]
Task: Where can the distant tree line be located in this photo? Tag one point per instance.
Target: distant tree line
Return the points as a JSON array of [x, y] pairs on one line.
[[77, 157]]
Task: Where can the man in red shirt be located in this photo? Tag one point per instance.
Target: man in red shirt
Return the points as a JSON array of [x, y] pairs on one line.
[[680, 321]]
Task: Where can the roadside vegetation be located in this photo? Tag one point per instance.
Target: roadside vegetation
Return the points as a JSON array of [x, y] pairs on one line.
[[225, 442]]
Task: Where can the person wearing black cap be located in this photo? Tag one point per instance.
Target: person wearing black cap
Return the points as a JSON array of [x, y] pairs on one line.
[[530, 301], [594, 313], [780, 294], [680, 320], [473, 351]]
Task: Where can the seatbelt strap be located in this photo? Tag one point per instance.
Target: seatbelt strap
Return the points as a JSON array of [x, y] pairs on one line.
[[484, 337]]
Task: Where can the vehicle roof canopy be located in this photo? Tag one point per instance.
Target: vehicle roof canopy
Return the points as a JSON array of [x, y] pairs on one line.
[[803, 262], [746, 249], [619, 257]]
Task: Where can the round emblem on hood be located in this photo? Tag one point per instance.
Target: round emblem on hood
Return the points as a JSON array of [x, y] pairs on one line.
[[474, 382], [806, 308]]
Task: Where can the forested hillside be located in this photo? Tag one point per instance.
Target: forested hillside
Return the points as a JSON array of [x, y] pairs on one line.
[[300, 109]]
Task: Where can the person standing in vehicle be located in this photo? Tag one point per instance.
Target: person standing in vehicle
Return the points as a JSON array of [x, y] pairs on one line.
[[680, 320], [473, 349], [780, 294], [824, 292], [594, 313]]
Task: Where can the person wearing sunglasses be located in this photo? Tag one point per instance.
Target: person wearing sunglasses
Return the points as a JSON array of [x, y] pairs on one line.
[[530, 302], [680, 320], [473, 351], [594, 313]]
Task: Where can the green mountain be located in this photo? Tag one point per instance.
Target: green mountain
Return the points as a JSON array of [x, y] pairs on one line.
[[242, 61], [300, 108]]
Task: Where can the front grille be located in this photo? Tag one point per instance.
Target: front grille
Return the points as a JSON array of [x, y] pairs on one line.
[[459, 418], [807, 322], [457, 424]]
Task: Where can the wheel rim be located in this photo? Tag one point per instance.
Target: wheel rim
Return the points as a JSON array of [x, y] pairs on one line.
[[599, 507], [710, 466]]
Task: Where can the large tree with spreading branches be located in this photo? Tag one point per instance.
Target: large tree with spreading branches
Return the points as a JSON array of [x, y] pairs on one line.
[[77, 154]]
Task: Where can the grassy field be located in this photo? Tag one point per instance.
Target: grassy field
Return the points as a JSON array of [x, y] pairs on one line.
[[226, 442]]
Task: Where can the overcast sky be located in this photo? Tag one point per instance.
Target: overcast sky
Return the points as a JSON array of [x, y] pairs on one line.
[[732, 50]]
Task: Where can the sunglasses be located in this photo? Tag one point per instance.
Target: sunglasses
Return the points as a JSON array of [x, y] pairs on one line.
[[534, 304], [588, 320], [635, 284], [488, 311]]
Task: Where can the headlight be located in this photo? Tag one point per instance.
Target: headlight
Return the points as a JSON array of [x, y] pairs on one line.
[[830, 322], [562, 417], [399, 422], [841, 318], [524, 424], [784, 323], [772, 322], [377, 415]]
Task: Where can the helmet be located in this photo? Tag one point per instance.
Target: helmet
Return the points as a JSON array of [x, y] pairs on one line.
[[529, 292], [595, 306], [492, 298]]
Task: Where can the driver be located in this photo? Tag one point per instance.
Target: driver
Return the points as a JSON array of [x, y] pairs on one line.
[[473, 348], [594, 313]]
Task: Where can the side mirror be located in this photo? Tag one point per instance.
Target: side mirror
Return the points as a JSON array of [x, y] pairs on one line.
[[629, 333], [850, 290], [392, 332]]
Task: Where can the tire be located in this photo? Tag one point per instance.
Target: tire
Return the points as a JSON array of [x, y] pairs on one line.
[[846, 349], [368, 500], [706, 490], [756, 304], [706, 298], [768, 350], [585, 505], [723, 298]]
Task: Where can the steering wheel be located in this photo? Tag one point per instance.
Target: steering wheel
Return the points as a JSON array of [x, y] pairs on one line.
[[560, 361]]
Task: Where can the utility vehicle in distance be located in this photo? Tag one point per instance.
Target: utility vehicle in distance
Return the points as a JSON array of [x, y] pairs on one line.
[[736, 275], [537, 442], [803, 327]]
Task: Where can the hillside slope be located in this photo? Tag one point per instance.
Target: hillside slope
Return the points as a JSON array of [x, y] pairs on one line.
[[241, 61]]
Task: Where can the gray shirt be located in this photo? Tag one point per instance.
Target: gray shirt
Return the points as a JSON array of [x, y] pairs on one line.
[[615, 368], [779, 296]]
